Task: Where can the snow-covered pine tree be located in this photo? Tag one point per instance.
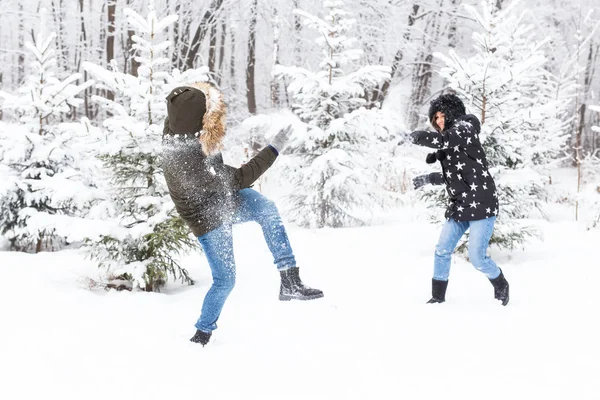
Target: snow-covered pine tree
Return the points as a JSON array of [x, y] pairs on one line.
[[47, 186], [333, 177], [522, 106], [144, 246]]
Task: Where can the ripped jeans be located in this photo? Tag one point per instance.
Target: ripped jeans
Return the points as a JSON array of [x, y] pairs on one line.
[[480, 232]]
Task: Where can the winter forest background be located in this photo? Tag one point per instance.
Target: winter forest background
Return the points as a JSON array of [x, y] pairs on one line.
[[82, 87]]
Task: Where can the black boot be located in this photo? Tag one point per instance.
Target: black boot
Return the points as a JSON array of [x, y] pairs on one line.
[[438, 291], [201, 337], [292, 287], [500, 288]]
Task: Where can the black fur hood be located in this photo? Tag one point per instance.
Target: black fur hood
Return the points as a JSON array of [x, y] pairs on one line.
[[449, 104]]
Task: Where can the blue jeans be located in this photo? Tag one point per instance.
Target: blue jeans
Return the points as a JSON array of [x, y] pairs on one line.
[[218, 248], [479, 238]]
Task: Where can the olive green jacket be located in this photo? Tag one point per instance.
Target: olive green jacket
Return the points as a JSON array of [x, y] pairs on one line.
[[203, 188]]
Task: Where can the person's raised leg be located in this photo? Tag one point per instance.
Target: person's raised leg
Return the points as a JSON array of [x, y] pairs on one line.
[[256, 207]]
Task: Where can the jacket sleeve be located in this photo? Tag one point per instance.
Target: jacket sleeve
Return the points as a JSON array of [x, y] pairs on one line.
[[248, 173], [436, 178], [458, 135]]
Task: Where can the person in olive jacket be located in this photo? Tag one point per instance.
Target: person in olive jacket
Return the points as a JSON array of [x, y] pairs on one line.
[[473, 201], [210, 196]]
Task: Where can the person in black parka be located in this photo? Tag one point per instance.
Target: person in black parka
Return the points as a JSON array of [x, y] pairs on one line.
[[473, 203], [211, 196]]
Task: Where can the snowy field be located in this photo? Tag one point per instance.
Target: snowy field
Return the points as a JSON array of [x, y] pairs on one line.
[[371, 337]]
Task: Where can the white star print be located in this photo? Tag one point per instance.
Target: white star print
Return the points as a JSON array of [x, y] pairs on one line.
[[479, 161], [448, 157], [487, 210], [485, 173], [456, 148], [468, 140], [459, 166], [448, 174], [484, 186], [452, 191], [473, 186], [464, 195], [435, 141], [459, 177], [459, 208], [473, 204]]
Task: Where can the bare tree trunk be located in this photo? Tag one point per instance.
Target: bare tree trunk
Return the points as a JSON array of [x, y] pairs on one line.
[[80, 55], [297, 34], [297, 48], [250, 88], [59, 15], [110, 39], [176, 57], [274, 81], [452, 38], [221, 57], [21, 41], [421, 87], [422, 73], [212, 49], [207, 22], [232, 60], [130, 53], [587, 83], [397, 68]]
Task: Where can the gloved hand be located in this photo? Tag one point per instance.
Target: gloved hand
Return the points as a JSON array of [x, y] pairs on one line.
[[421, 180], [432, 157], [414, 136], [279, 141]]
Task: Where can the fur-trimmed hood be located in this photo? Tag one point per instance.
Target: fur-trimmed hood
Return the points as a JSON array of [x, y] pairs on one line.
[[199, 110], [449, 104]]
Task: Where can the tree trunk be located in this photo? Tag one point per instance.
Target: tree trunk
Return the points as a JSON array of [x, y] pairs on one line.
[[587, 83], [212, 49], [421, 82], [130, 53], [297, 35], [397, 67], [452, 38], [58, 15], [232, 60], [21, 42], [206, 23], [422, 73], [176, 56], [250, 88], [274, 81], [110, 39], [221, 62], [81, 55]]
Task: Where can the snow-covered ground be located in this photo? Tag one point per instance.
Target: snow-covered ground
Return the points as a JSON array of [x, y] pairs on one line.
[[371, 337]]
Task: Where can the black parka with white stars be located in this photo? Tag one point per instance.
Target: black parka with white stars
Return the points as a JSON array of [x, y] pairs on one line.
[[471, 188]]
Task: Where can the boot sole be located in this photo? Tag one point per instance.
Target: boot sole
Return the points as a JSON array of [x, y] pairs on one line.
[[287, 297]]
